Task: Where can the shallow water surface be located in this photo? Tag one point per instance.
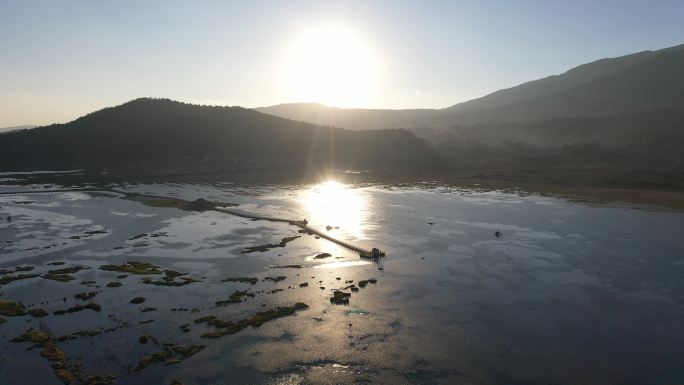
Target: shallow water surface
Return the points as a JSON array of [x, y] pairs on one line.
[[567, 294]]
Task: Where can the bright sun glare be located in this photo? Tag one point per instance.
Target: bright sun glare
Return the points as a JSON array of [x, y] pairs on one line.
[[332, 66], [335, 204]]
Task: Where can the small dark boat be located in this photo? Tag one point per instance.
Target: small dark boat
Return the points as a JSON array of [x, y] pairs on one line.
[[374, 254]]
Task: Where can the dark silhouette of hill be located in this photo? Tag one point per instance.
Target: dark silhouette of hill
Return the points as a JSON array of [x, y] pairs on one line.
[[603, 88], [551, 84], [153, 133]]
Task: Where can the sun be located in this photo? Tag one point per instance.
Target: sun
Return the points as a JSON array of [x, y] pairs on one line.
[[331, 66]]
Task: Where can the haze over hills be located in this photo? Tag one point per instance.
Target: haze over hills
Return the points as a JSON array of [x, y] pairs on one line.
[[351, 118], [616, 122], [160, 133], [619, 121]]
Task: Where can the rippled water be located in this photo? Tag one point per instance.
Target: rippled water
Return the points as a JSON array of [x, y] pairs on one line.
[[569, 293]]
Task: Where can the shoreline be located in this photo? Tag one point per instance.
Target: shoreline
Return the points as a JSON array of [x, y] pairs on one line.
[[640, 198], [606, 196], [637, 198]]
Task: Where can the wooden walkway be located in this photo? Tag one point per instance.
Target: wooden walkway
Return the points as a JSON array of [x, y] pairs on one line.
[[365, 253], [301, 224], [49, 191]]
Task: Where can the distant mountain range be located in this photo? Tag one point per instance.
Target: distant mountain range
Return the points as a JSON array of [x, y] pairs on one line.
[[638, 86], [615, 122]]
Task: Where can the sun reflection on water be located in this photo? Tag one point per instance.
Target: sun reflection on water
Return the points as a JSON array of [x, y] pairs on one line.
[[335, 204]]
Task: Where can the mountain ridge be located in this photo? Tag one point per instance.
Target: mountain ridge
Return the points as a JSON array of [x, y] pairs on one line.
[[519, 103], [148, 131]]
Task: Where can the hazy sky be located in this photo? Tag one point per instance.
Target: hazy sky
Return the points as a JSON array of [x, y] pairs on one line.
[[62, 59]]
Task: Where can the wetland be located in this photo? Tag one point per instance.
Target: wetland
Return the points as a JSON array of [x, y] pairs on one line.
[[477, 287]]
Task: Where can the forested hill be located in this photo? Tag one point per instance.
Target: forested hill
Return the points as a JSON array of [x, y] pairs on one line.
[[161, 131]]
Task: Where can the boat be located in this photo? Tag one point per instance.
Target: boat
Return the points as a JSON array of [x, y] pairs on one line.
[[375, 253]]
